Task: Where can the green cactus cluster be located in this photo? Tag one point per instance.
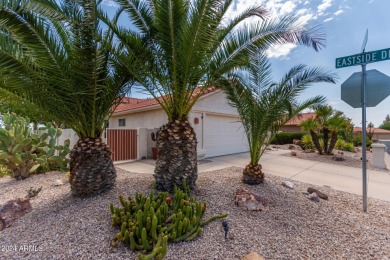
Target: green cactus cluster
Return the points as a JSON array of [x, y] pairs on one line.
[[24, 152], [148, 223]]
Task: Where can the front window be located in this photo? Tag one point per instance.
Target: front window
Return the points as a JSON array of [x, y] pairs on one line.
[[122, 122]]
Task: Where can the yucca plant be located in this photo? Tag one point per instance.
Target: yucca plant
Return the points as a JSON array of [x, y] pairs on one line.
[[329, 122], [55, 55], [188, 47], [265, 106]]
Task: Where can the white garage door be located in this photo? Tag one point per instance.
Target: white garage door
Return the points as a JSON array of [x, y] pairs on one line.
[[223, 135]]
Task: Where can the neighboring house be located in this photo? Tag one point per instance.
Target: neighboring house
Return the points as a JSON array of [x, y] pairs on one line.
[[216, 123], [293, 124], [380, 134]]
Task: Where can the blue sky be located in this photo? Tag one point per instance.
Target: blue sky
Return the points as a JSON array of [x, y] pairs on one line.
[[345, 23]]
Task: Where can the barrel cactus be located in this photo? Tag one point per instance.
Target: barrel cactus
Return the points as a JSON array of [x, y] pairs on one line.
[[24, 152], [148, 223]]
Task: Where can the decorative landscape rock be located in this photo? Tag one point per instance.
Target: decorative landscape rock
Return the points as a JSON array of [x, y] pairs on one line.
[[338, 158], [291, 147], [33, 192], [58, 182], [250, 200], [293, 153], [308, 151], [288, 184], [253, 256], [314, 197], [13, 210], [319, 193]]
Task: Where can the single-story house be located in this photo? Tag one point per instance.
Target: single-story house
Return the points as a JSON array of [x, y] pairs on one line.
[[216, 123], [378, 133], [293, 124]]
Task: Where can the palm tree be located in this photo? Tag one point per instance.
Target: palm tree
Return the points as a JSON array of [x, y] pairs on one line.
[[311, 126], [330, 123], [189, 46], [265, 106], [53, 54]]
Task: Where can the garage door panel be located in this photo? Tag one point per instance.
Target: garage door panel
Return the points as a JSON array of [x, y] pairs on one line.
[[224, 135]]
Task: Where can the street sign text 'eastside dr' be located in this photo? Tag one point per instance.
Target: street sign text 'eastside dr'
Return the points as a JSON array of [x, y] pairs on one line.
[[363, 58]]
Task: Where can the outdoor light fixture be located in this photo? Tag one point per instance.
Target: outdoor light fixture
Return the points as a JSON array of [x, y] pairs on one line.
[[225, 225]]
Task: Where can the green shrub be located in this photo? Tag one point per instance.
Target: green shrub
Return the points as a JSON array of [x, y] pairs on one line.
[[348, 147], [357, 141], [286, 138], [307, 142], [344, 146], [4, 171], [24, 152], [148, 223]]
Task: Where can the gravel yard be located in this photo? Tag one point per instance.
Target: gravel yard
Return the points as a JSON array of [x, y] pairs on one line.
[[350, 159], [294, 228]]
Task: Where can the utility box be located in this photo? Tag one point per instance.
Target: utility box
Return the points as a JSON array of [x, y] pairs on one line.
[[378, 155]]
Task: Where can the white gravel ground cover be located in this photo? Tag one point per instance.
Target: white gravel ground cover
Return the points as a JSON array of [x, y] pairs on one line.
[[64, 227]]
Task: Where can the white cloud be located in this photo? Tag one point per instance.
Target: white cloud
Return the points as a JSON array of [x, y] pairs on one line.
[[306, 10], [304, 19], [279, 51], [325, 5], [328, 19], [287, 7]]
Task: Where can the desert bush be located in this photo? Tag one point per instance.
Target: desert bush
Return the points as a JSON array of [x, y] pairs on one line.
[[307, 142], [286, 138], [344, 146], [357, 141], [4, 171], [148, 223], [24, 152]]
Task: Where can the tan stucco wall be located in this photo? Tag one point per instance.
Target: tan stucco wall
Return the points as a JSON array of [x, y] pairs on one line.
[[147, 119], [291, 128], [381, 136], [215, 103]]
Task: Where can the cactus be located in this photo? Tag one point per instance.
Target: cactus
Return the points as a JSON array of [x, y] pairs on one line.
[[149, 222], [24, 152]]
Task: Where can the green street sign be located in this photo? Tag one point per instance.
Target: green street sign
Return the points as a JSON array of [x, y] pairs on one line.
[[363, 58]]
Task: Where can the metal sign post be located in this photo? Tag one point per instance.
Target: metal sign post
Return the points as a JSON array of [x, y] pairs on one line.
[[379, 80], [364, 136]]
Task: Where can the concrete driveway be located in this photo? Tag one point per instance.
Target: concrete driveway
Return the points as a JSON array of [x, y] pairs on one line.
[[343, 178]]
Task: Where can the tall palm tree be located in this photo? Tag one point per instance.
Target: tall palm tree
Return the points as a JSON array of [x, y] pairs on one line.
[[265, 106], [53, 54], [189, 46], [329, 122]]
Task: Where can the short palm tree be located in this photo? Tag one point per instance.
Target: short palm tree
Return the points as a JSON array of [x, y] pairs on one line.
[[187, 47], [52, 53], [329, 122], [265, 106]]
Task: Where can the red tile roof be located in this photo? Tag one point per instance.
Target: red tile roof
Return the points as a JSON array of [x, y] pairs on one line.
[[299, 119], [133, 103], [376, 130]]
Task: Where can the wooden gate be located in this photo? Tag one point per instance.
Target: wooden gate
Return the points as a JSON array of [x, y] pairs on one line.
[[123, 143]]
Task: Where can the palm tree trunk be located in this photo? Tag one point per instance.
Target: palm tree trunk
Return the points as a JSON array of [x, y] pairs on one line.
[[316, 142], [325, 131], [253, 174], [91, 168], [333, 141], [177, 156]]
